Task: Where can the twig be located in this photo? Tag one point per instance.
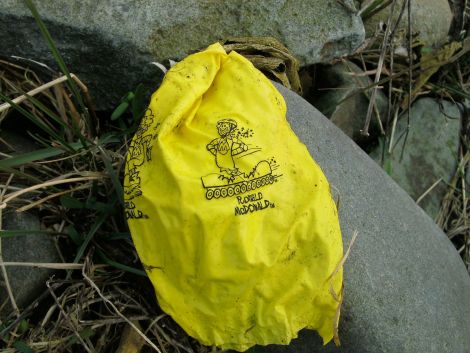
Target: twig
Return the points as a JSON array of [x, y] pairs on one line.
[[365, 130], [158, 318], [343, 260], [173, 341], [67, 318], [410, 78], [116, 310]]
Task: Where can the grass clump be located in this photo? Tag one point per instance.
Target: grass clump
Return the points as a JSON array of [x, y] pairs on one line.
[[100, 299]]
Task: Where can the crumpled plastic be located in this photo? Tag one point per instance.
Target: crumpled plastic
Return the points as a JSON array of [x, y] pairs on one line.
[[232, 219]]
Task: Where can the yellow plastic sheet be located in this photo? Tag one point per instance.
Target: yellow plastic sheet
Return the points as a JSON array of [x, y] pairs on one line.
[[231, 217]]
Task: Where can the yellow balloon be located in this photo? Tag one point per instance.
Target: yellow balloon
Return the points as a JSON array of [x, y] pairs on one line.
[[231, 217]]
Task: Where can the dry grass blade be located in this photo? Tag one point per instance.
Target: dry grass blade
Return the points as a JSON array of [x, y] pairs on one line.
[[339, 296], [365, 130], [436, 183], [44, 87], [52, 196], [10, 197], [69, 321], [54, 266]]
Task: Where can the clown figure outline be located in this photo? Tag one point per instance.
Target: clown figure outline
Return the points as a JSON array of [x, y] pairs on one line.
[[228, 150]]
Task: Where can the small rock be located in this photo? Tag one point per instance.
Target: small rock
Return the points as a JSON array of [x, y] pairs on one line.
[[110, 45], [406, 288], [26, 282], [431, 18], [430, 152], [342, 80]]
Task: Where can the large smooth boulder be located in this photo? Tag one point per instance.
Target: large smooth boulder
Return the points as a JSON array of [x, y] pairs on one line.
[[110, 44], [406, 288], [429, 154]]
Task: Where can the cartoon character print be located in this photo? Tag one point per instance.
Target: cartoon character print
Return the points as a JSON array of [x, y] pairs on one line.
[[140, 152], [227, 150], [226, 147]]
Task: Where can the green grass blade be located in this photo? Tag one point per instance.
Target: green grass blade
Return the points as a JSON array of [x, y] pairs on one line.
[[37, 103], [121, 109], [39, 155], [22, 347], [120, 266], [114, 177], [452, 89], [74, 235], [87, 332], [55, 53], [71, 202], [98, 223]]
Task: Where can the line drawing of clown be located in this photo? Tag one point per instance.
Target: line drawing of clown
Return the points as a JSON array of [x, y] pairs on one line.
[[139, 153], [229, 148], [225, 147]]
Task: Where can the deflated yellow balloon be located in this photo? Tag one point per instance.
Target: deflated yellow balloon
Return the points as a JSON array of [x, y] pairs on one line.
[[231, 217]]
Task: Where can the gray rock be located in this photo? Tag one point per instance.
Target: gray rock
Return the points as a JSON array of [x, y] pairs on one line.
[[109, 71], [430, 152], [109, 45], [26, 282], [15, 143], [430, 18], [406, 288], [338, 82]]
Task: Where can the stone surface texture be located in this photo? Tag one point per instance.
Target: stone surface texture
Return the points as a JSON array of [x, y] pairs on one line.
[[430, 152], [340, 96], [26, 282], [110, 44], [430, 18], [406, 288]]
